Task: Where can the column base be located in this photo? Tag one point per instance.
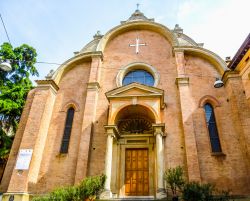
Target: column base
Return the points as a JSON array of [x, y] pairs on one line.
[[161, 193], [16, 197], [106, 194]]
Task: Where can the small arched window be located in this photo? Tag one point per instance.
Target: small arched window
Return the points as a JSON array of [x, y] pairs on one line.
[[212, 128], [67, 130]]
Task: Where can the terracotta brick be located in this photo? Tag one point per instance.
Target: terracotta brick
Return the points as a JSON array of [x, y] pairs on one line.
[[187, 140]]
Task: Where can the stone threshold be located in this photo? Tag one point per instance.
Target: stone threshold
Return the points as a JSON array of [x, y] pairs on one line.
[[137, 198]]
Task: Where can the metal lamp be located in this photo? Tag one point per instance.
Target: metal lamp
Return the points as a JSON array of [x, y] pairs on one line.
[[218, 83], [5, 66]]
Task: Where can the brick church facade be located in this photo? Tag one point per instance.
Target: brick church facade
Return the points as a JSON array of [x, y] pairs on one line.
[[132, 103]]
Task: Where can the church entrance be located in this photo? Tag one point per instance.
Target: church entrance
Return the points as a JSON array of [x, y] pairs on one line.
[[134, 162], [137, 172], [135, 151]]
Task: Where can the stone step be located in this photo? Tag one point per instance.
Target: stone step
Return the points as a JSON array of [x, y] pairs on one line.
[[169, 199], [135, 199]]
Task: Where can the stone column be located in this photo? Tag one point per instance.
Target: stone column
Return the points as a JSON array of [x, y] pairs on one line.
[[159, 133], [112, 132], [108, 160]]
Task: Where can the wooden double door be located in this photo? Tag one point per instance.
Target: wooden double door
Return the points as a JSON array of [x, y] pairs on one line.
[[136, 172]]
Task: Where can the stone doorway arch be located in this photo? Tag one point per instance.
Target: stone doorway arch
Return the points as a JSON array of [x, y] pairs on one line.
[[134, 127], [135, 119]]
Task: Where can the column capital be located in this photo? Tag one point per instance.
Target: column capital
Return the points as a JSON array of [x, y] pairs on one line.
[[112, 130], [178, 50], [159, 129], [99, 55]]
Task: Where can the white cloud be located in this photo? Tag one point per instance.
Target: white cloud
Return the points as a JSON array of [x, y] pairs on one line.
[[186, 9], [222, 26], [57, 28]]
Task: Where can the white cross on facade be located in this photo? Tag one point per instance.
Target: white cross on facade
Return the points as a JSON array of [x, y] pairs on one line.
[[137, 44]]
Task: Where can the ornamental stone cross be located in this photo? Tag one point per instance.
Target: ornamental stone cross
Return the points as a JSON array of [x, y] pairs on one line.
[[137, 44]]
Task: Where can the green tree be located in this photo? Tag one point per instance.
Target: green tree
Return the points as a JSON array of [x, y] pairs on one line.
[[174, 178], [194, 191], [14, 87]]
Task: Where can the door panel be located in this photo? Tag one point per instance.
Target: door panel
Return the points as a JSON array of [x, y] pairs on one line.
[[136, 172]]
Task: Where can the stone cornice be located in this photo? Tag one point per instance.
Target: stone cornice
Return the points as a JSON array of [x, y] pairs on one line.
[[153, 90], [42, 84], [120, 92], [184, 38], [182, 81], [93, 86], [230, 75], [112, 130]]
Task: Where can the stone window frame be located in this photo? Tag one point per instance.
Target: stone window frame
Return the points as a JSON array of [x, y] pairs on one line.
[[144, 77], [208, 99], [67, 134], [69, 104], [137, 66], [213, 136]]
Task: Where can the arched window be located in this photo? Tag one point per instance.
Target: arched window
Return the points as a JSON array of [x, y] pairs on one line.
[[140, 76], [212, 128], [67, 130]]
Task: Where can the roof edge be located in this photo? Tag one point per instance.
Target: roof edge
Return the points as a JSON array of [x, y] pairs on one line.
[[240, 53]]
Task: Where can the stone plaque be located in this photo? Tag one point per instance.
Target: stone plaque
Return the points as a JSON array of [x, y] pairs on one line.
[[23, 159]]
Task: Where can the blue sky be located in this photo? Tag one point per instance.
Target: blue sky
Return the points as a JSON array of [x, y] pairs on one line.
[[57, 28]]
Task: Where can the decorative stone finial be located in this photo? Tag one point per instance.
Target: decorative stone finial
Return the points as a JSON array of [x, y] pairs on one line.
[[50, 74], [200, 44], [98, 35], [137, 6], [228, 60], [178, 29], [137, 16]]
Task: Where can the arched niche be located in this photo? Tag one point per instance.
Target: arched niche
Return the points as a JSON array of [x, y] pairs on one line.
[[135, 119]]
